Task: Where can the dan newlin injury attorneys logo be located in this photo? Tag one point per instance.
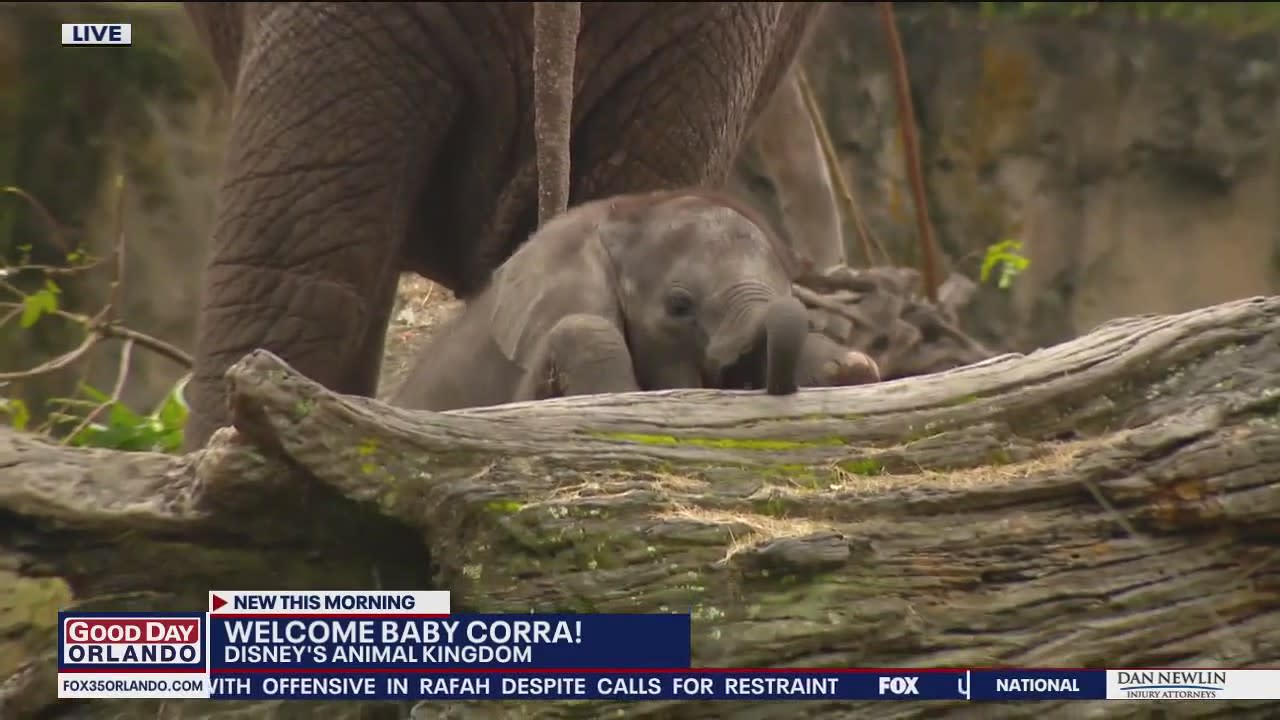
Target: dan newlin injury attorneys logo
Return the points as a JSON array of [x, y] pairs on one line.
[[1166, 684]]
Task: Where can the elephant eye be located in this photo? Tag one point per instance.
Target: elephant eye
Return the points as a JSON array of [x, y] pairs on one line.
[[678, 303]]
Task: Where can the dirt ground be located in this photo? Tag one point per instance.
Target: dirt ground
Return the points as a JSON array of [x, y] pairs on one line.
[[421, 307]]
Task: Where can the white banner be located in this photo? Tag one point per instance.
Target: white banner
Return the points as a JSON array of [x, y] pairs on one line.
[[1175, 684], [329, 602], [132, 685]]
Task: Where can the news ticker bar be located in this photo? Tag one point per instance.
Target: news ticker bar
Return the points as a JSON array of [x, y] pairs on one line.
[[695, 684], [393, 645]]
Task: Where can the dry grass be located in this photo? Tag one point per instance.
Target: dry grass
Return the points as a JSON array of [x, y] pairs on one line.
[[764, 528], [757, 528], [1057, 458], [421, 308]]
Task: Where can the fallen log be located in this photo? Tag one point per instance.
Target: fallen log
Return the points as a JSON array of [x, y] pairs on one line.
[[1112, 501]]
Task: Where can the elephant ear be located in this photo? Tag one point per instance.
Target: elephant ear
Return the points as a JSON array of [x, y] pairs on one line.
[[563, 269]]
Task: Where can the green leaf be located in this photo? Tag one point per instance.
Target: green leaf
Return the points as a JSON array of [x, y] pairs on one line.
[[989, 263], [87, 437], [997, 252], [124, 429], [36, 305], [120, 416], [114, 437], [172, 412], [16, 409], [1007, 256], [1006, 276], [170, 442], [94, 393]]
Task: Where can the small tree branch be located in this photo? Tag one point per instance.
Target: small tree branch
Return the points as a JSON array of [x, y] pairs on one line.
[[150, 342], [103, 324], [117, 390], [56, 236], [97, 326], [112, 310], [929, 256], [57, 363]]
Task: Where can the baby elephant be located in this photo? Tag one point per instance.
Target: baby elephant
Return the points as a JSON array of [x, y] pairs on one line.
[[634, 292]]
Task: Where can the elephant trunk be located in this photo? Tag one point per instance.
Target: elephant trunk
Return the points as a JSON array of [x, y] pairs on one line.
[[762, 338], [786, 326]]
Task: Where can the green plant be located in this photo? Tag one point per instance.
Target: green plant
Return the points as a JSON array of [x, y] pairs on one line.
[[121, 428], [91, 417], [40, 302], [1007, 256], [16, 410]]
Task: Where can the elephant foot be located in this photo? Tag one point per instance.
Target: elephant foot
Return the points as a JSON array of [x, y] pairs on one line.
[[583, 355], [852, 368], [826, 363]]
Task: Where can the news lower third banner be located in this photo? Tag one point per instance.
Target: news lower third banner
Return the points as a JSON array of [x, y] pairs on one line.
[[408, 646]]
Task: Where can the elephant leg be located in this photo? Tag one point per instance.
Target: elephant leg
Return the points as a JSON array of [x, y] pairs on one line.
[[326, 150], [707, 69], [826, 363], [581, 355], [367, 370]]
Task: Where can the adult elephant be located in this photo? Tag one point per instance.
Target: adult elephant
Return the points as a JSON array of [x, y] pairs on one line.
[[369, 139]]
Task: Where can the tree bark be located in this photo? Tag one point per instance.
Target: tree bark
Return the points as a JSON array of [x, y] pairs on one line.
[[1112, 501]]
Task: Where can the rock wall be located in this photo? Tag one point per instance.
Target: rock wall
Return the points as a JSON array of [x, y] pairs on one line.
[[1138, 163]]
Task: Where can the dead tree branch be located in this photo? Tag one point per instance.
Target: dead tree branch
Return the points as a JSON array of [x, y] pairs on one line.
[[930, 260], [1113, 501], [102, 325]]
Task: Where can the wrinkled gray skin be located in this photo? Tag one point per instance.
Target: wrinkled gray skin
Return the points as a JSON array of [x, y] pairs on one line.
[[369, 139], [635, 292]]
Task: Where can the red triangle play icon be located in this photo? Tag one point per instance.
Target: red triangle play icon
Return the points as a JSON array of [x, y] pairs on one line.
[[216, 602]]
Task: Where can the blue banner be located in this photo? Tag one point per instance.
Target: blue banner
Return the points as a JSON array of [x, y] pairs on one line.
[[383, 644], [636, 685], [673, 684], [393, 645], [1038, 684], [555, 657]]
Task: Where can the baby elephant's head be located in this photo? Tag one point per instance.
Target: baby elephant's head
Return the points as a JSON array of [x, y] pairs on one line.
[[705, 294]]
